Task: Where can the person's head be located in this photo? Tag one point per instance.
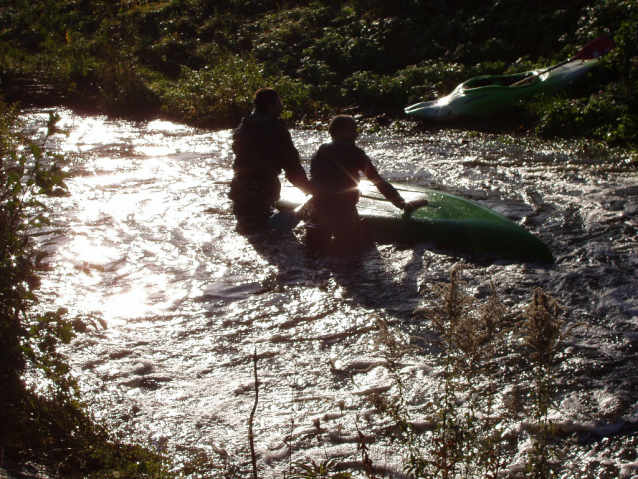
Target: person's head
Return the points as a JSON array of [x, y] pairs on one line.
[[343, 127], [267, 101]]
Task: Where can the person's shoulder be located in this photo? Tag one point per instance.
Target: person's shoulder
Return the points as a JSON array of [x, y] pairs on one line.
[[275, 121], [277, 126], [358, 149], [323, 148], [258, 118], [353, 149], [345, 145]]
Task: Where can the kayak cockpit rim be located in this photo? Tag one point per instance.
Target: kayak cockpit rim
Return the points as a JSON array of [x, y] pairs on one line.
[[500, 81]]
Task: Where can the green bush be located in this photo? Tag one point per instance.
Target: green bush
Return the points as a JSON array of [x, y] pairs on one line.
[[221, 95], [213, 95], [606, 115], [365, 55]]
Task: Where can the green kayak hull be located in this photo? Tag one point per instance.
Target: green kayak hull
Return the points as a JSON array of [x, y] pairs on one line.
[[488, 95], [448, 221]]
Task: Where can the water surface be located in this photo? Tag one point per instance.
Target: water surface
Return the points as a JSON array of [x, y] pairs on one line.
[[145, 243]]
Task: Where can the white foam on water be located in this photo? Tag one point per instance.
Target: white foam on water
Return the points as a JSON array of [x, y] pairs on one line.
[[146, 242]]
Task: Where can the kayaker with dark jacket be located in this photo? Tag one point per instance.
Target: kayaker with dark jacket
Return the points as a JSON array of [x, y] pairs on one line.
[[263, 149], [334, 172]]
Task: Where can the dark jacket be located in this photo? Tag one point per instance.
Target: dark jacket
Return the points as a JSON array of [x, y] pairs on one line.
[[334, 170], [263, 148]]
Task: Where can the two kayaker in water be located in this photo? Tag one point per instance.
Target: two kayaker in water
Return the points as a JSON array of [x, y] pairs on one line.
[[263, 148]]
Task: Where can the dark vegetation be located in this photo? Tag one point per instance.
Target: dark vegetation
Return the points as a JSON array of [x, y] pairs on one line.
[[201, 60], [41, 413]]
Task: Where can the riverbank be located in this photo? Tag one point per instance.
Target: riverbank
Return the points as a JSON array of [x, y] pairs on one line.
[[200, 63]]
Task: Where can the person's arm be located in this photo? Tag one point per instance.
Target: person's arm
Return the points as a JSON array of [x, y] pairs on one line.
[[385, 188], [290, 161], [297, 176]]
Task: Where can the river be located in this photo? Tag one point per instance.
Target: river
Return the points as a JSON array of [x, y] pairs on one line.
[[144, 244]]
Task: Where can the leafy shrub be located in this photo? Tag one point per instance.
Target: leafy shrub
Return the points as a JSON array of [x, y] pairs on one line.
[[221, 95], [286, 33], [26, 339], [605, 115], [214, 95]]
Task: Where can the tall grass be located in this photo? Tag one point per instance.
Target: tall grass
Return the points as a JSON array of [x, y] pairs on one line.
[[466, 434], [542, 332]]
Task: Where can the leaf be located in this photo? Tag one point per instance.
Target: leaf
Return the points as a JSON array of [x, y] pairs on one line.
[[12, 178], [36, 150]]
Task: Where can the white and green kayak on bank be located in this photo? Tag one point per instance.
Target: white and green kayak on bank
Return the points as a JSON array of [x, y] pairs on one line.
[[488, 95]]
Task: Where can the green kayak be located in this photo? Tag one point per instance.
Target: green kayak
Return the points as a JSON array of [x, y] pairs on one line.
[[450, 222], [487, 95]]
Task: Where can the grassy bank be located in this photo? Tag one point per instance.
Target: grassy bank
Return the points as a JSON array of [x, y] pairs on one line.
[[200, 60]]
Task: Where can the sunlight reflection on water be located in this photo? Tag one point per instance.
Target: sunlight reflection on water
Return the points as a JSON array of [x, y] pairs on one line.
[[146, 243]]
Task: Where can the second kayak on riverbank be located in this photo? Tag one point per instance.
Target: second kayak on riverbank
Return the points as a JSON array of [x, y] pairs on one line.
[[486, 95]]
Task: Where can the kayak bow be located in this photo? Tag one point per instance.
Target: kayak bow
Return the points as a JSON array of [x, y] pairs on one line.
[[487, 95]]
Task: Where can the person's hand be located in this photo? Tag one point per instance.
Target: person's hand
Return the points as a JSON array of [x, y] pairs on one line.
[[413, 205]]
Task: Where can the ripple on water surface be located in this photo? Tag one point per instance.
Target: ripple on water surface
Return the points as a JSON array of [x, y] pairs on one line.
[[145, 243]]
